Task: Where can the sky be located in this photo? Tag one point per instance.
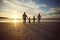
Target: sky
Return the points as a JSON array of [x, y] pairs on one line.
[[9, 8]]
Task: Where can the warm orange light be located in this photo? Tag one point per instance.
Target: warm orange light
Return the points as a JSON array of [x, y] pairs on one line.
[[15, 17]]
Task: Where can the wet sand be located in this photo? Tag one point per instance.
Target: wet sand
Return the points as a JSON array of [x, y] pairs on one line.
[[32, 31]]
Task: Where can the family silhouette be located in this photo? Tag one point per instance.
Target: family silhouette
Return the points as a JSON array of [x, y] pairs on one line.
[[25, 17]]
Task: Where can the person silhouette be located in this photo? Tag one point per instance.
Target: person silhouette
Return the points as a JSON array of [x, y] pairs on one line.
[[39, 18], [24, 17], [29, 19], [33, 19]]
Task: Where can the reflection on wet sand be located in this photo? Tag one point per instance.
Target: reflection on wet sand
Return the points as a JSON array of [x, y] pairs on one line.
[[21, 31]]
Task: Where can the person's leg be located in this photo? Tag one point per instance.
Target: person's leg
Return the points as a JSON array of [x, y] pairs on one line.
[[38, 20], [23, 20], [29, 21], [34, 21]]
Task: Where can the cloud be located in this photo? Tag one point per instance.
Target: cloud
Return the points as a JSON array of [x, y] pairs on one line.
[[51, 10], [1, 3], [43, 5], [54, 11], [21, 5]]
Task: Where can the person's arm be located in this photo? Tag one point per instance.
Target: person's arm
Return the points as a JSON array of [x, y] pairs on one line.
[[26, 16]]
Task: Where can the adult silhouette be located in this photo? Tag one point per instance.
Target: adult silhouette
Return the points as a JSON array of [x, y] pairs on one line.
[[33, 19], [39, 18], [24, 17]]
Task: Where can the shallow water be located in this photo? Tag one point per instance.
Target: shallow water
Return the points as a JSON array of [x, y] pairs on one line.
[[8, 20]]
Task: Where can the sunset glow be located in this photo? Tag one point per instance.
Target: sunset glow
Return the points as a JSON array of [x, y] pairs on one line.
[[15, 16]]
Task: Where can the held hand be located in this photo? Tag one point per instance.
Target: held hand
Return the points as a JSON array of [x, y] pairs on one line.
[[27, 17]]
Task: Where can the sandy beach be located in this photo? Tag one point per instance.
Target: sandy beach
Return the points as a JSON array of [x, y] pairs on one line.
[[32, 31]]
